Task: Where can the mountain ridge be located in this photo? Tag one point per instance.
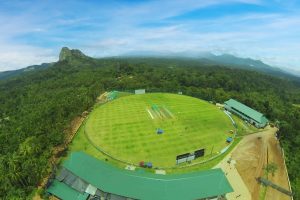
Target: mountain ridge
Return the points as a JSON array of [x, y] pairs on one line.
[[227, 60], [224, 59], [13, 73], [68, 54]]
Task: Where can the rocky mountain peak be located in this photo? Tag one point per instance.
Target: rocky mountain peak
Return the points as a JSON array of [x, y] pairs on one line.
[[67, 54]]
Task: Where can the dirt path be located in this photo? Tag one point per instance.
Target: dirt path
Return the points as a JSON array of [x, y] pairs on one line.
[[241, 191], [251, 157], [102, 98]]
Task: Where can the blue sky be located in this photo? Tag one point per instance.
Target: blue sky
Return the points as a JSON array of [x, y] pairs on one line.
[[33, 32]]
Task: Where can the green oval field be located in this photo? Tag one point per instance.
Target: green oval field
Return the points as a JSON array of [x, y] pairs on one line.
[[126, 128]]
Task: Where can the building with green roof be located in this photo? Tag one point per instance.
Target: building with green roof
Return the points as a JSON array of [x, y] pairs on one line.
[[252, 116], [91, 177], [63, 191]]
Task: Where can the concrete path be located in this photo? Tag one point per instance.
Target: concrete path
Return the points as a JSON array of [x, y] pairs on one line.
[[240, 189]]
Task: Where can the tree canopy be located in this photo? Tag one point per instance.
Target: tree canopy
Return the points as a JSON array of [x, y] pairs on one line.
[[36, 107]]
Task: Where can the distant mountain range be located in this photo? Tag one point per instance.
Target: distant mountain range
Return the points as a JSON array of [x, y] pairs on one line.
[[248, 63], [12, 73], [225, 60]]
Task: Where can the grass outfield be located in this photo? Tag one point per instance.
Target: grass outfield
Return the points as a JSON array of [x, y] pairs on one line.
[[244, 128], [125, 128]]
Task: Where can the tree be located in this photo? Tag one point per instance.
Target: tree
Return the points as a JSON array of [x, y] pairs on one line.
[[40, 105], [271, 168]]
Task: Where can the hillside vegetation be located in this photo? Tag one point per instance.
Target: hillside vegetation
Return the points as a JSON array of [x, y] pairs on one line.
[[36, 108]]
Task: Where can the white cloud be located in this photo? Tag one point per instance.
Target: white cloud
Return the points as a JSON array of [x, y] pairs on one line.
[[19, 56], [119, 28]]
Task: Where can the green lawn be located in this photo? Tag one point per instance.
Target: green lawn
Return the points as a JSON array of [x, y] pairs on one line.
[[244, 128], [125, 129]]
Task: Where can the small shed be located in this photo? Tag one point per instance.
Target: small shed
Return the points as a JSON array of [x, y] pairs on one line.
[[149, 164], [159, 131], [229, 139], [142, 164], [112, 95], [140, 91]]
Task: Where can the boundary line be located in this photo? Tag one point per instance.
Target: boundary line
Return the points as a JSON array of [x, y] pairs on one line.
[[157, 167]]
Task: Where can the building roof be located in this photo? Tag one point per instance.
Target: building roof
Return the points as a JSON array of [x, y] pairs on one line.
[[147, 185], [65, 192], [257, 116]]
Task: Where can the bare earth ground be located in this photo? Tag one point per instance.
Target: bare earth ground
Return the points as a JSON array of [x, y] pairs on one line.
[[240, 189], [280, 176], [102, 97], [251, 156]]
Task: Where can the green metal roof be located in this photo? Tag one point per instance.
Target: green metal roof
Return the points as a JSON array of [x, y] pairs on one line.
[[112, 95], [64, 192], [147, 185], [257, 116]]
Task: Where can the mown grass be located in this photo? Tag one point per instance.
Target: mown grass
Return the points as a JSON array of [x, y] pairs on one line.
[[244, 128], [204, 166], [80, 143], [124, 128]]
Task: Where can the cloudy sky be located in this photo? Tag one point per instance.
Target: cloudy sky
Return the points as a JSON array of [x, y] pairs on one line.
[[33, 32]]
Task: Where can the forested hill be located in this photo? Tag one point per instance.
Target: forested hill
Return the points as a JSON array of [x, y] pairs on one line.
[[13, 73], [227, 60], [36, 107], [204, 58]]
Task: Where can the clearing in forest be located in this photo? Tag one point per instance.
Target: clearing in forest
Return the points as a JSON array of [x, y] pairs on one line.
[[157, 127]]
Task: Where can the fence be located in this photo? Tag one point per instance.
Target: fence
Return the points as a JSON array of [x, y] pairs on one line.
[[276, 187], [287, 174]]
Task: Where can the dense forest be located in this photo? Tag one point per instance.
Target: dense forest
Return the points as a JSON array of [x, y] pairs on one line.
[[37, 106]]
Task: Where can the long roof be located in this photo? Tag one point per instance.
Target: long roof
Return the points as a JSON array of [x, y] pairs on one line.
[[257, 116], [147, 185], [65, 192]]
